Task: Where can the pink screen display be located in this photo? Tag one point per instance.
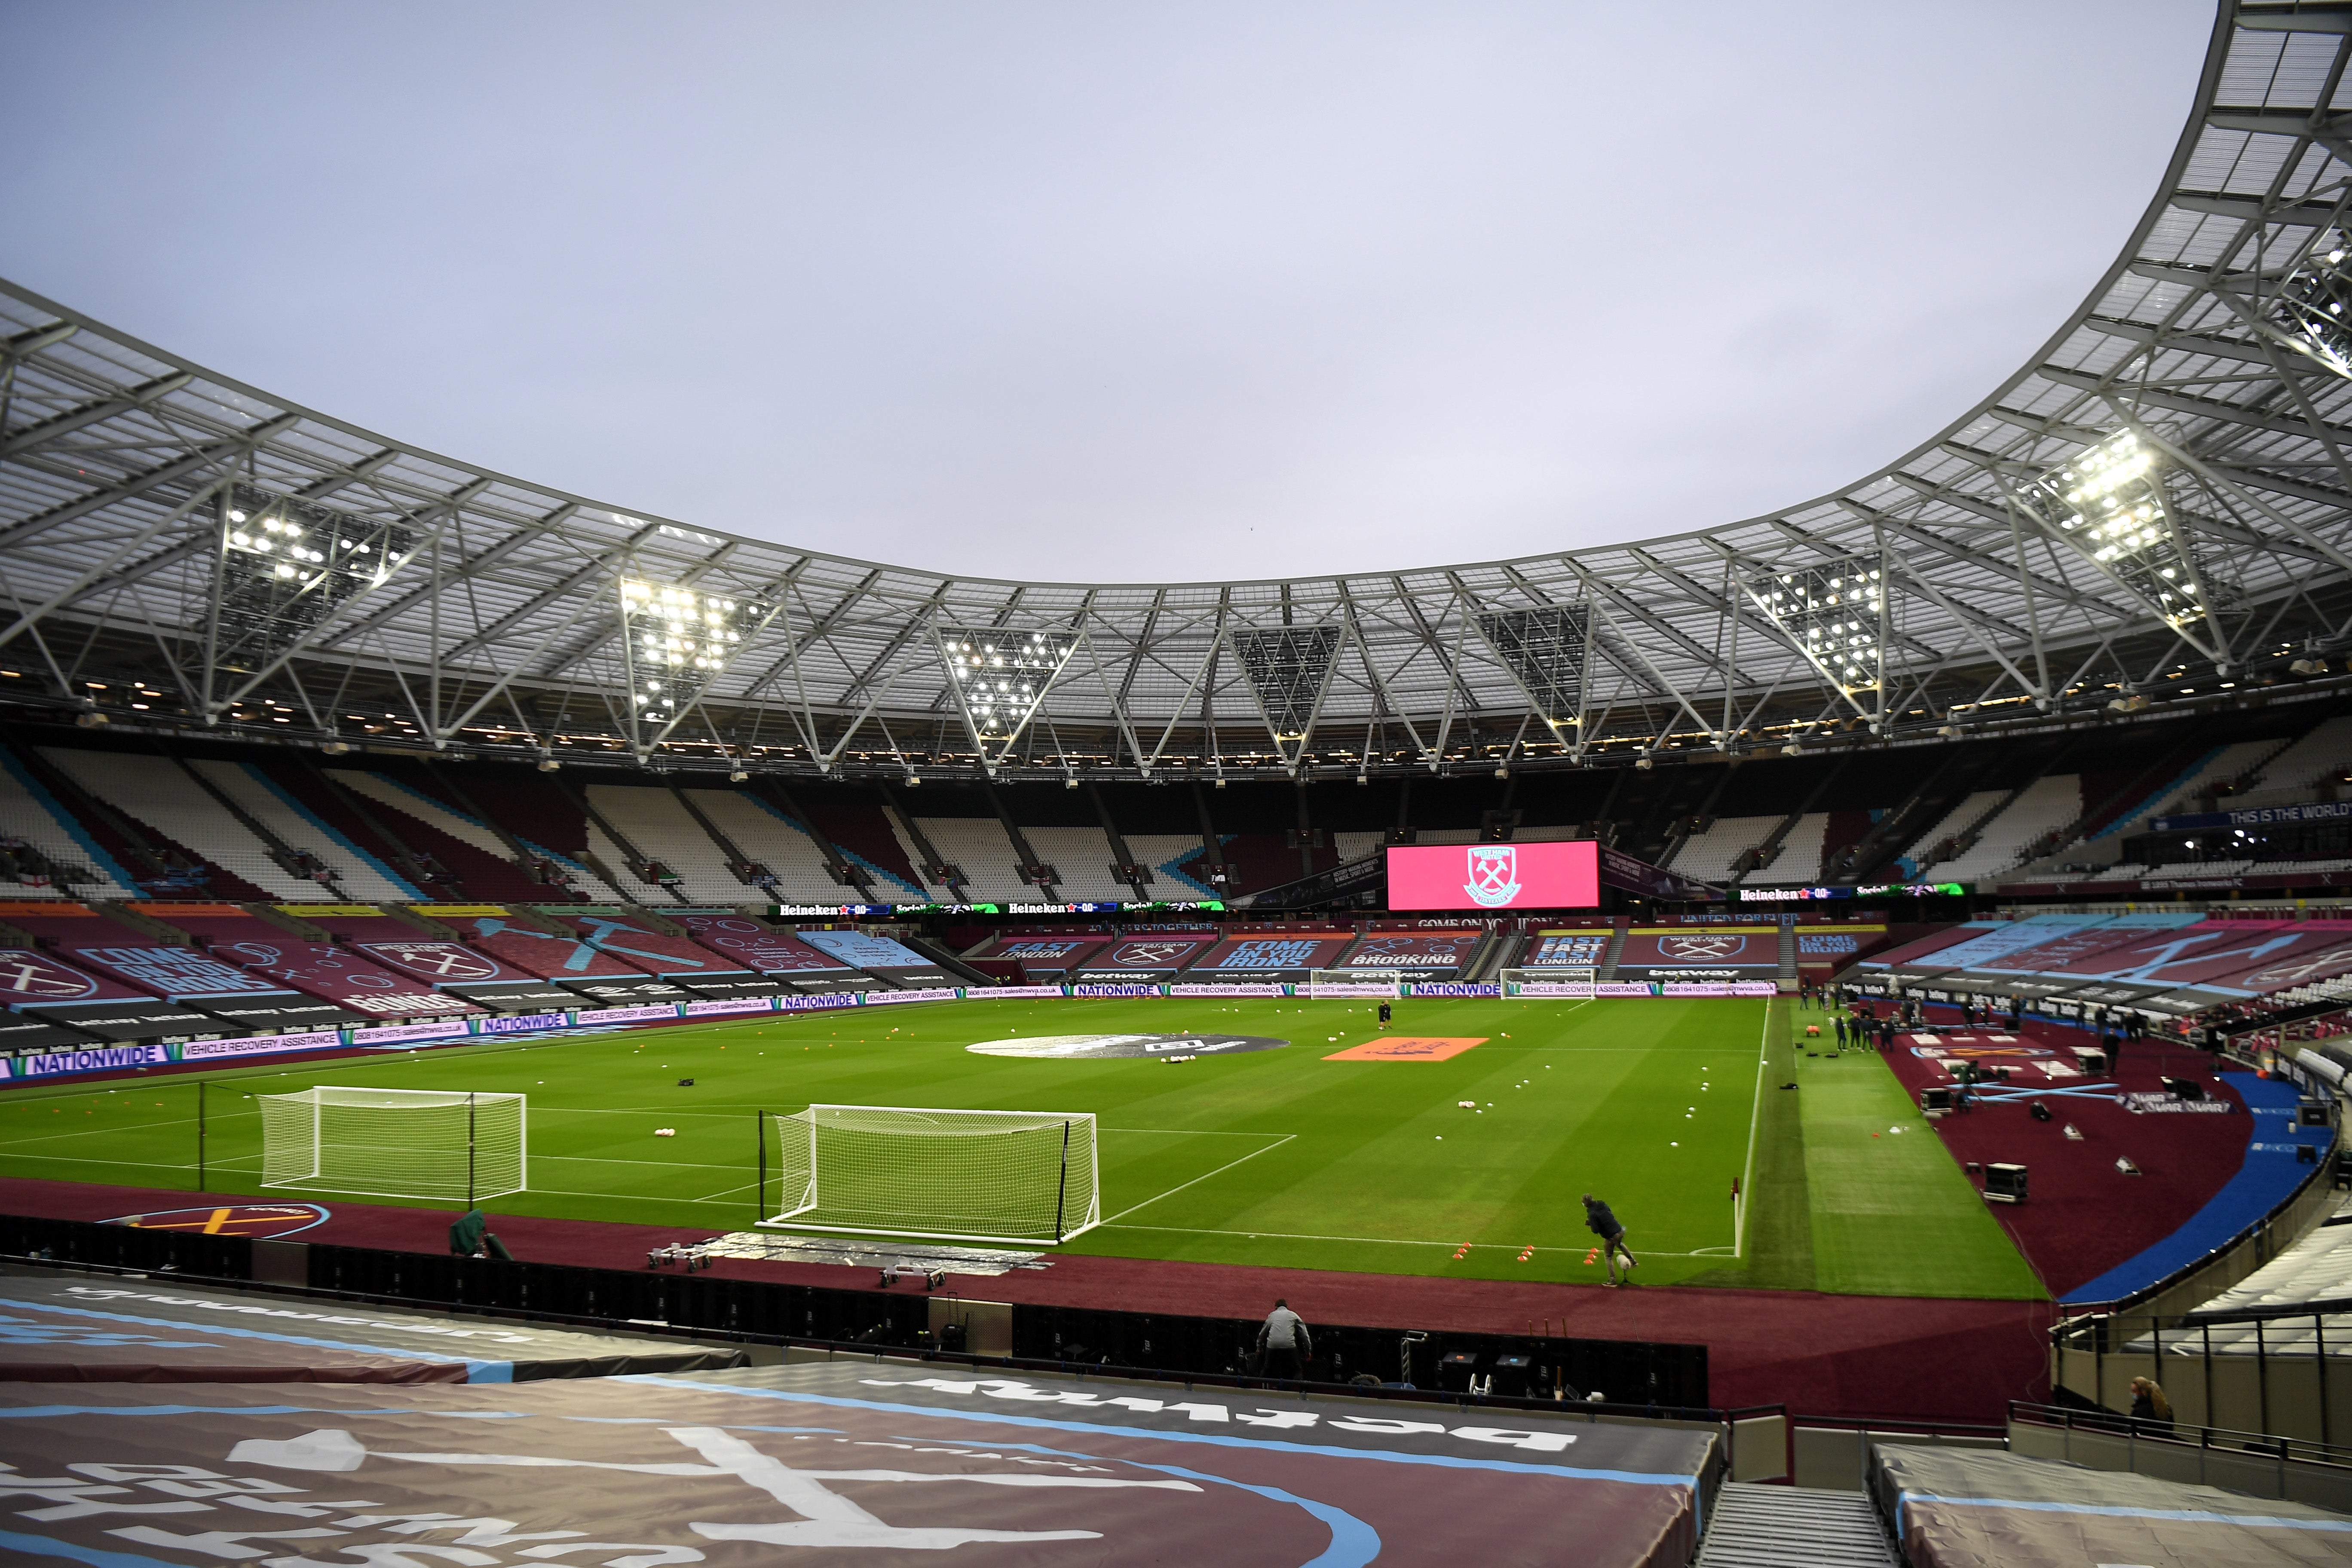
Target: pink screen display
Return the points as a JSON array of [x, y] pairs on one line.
[[1495, 876]]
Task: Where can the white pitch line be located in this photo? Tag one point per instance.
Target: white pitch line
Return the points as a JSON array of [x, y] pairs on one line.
[[606, 1159], [1280, 1139], [1755, 1119], [1382, 1240]]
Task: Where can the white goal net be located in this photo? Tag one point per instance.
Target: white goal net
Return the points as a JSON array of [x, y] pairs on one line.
[[1014, 1177], [1353, 983], [451, 1145], [1547, 982]]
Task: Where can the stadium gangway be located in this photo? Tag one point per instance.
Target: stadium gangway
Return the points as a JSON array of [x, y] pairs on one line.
[[2258, 1464]]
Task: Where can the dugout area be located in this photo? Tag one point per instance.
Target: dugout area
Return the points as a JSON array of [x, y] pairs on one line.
[[851, 1462]]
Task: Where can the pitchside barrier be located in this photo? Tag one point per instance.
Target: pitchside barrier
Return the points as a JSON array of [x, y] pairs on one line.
[[33, 1066]]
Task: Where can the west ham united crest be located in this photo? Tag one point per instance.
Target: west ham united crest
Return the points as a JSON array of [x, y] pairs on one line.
[[1494, 876]]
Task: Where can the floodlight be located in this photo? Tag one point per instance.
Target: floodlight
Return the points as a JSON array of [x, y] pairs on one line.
[[2311, 311], [1000, 676], [1834, 612], [286, 563], [2111, 505], [675, 640]]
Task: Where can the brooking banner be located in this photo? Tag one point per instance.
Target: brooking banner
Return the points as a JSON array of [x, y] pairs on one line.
[[105, 1058], [262, 1046], [929, 994], [1226, 991], [406, 1034]]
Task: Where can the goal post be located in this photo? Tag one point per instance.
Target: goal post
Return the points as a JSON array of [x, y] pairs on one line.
[[1548, 982], [1015, 1178], [450, 1145], [1353, 983]]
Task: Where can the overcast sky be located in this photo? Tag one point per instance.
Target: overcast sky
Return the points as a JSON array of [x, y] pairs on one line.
[[1115, 292]]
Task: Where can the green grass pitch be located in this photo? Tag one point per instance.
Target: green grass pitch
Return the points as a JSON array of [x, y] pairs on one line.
[[1276, 1157]]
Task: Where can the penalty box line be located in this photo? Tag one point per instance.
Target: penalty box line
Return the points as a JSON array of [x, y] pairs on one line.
[[1279, 1140], [1395, 1240]]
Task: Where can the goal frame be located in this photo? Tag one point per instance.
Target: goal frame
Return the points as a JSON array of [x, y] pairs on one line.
[[1515, 980], [810, 1198], [474, 1101], [1323, 984]]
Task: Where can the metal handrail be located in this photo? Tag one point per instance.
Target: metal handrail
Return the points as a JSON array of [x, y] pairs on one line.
[[2226, 1439]]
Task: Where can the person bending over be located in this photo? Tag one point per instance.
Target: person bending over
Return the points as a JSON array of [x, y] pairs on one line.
[[1602, 1223], [1282, 1345]]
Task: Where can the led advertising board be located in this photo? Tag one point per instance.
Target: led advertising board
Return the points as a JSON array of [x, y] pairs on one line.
[[1497, 877]]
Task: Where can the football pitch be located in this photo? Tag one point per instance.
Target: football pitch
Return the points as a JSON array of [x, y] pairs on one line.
[[1281, 1156]]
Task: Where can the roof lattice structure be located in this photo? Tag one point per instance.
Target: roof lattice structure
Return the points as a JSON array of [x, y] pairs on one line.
[[426, 602]]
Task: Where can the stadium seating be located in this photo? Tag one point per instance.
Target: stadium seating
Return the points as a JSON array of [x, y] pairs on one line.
[[27, 811], [2322, 756], [159, 795], [866, 833], [488, 871], [774, 840], [979, 847], [1174, 859], [1799, 859], [1082, 858], [484, 868], [2221, 766], [1707, 856], [360, 874], [2043, 808], [661, 829]]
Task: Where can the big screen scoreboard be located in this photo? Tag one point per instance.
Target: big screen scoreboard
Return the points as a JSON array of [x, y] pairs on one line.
[[1474, 877]]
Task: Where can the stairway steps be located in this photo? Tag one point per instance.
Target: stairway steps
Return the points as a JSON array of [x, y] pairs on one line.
[[1793, 1527]]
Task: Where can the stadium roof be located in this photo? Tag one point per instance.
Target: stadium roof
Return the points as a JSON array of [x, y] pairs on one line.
[[2157, 501]]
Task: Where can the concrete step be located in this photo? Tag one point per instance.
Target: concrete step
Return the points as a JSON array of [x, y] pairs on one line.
[[1793, 1527]]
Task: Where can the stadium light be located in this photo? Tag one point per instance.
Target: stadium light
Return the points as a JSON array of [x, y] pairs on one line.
[[1834, 612], [287, 564], [2112, 506], [1000, 678], [2312, 312], [676, 640]]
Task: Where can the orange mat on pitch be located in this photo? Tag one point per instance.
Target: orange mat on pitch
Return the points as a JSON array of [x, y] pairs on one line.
[[1408, 1048]]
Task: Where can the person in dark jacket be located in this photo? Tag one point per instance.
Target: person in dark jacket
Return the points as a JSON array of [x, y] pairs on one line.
[[2151, 1412], [1603, 1224]]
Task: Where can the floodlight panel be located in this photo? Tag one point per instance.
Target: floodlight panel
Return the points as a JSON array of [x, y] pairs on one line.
[[2110, 505]]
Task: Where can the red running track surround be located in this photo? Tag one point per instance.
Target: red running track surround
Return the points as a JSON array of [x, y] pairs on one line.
[[1857, 1357], [2081, 1216]]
